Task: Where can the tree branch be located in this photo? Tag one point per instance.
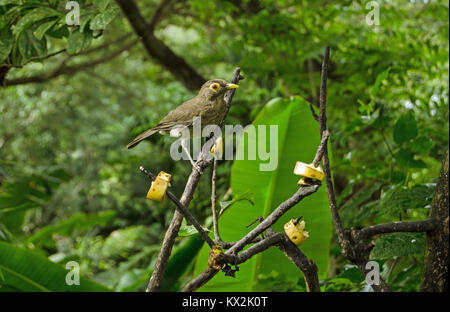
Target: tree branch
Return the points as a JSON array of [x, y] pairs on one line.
[[326, 162], [69, 69], [215, 217], [161, 12], [175, 64], [307, 266], [403, 226]]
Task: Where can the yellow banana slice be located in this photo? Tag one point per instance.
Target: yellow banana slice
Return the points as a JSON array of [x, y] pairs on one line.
[[159, 187], [217, 148], [296, 232], [308, 171]]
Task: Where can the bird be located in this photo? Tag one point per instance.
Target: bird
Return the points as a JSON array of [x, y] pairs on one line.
[[209, 105]]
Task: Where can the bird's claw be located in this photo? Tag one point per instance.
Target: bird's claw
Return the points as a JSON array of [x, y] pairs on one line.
[[196, 167]]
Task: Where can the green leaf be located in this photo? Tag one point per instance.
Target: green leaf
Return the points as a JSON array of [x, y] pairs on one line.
[[353, 274], [33, 16], [398, 245], [6, 2], [380, 78], [399, 199], [101, 4], [43, 28], [186, 230], [6, 43], [406, 158], [298, 138], [405, 128], [247, 195], [86, 20], [30, 46], [24, 270], [101, 20], [79, 41], [421, 145]]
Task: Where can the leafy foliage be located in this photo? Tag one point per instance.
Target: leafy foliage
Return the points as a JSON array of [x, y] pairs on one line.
[[398, 245]]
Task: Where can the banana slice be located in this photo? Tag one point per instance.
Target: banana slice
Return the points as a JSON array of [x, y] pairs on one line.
[[159, 187], [217, 148], [308, 171], [295, 230]]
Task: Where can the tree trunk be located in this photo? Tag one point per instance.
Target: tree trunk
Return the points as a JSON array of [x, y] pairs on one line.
[[435, 272]]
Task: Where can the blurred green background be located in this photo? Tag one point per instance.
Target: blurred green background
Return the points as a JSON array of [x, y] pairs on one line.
[[69, 190]]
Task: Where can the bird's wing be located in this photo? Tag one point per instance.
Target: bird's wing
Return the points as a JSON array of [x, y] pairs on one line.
[[141, 137], [180, 116]]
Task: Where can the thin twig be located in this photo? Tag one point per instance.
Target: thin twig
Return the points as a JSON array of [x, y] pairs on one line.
[[326, 163], [217, 238], [321, 149]]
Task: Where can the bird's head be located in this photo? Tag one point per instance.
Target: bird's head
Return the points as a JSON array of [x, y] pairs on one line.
[[216, 87]]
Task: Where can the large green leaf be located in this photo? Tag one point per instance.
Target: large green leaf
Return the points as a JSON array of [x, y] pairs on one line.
[[30, 46], [101, 20], [24, 270], [405, 128], [298, 138], [33, 16], [101, 4], [79, 41], [6, 43]]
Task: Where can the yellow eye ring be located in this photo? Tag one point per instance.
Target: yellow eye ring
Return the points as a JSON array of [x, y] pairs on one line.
[[214, 86]]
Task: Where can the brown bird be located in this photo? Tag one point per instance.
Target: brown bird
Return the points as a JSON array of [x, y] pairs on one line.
[[209, 105]]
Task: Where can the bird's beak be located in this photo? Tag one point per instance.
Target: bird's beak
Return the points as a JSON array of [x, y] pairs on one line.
[[232, 86]]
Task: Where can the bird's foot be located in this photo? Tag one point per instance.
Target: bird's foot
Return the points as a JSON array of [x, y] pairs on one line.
[[196, 167]]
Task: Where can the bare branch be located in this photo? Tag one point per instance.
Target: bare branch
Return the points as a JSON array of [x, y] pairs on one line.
[[215, 217], [161, 13], [326, 162], [321, 149], [35, 59], [307, 266], [403, 226]]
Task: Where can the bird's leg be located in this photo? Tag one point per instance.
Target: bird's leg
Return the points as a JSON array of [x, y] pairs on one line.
[[185, 146]]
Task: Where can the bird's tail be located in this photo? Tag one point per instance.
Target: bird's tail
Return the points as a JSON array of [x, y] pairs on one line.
[[141, 137]]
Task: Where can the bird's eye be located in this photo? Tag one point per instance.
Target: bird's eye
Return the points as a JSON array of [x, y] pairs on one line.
[[214, 86]]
